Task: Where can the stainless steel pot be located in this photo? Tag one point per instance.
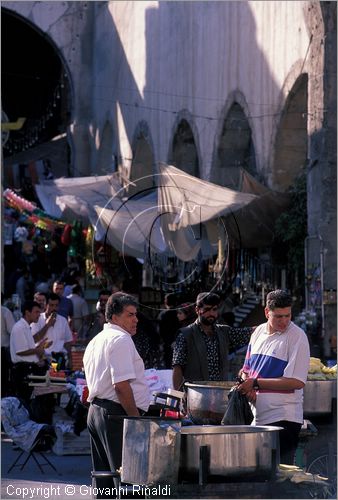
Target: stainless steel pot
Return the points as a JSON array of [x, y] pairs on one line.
[[318, 396], [230, 451], [207, 401], [151, 450]]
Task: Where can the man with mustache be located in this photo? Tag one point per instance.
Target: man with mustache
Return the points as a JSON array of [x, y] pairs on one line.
[[202, 348], [116, 383]]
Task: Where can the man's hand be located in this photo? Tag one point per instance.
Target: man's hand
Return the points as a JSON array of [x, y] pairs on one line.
[[246, 387], [50, 321], [46, 343], [40, 349], [251, 396]]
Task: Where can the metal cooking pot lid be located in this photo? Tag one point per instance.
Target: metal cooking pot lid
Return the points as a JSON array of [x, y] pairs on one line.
[[156, 419], [228, 429], [223, 384]]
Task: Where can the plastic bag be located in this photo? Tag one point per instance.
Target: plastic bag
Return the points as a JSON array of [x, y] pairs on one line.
[[238, 411]]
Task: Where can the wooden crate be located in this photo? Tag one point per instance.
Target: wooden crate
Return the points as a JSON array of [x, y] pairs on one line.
[[77, 358], [68, 443]]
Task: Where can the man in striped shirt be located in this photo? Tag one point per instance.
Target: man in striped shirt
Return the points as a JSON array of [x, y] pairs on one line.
[[275, 372]]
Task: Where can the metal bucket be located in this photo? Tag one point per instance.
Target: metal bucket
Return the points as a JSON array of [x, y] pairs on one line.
[[229, 451], [318, 396], [151, 450], [207, 401]]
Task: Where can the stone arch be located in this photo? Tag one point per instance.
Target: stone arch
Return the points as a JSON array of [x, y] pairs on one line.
[[184, 151], [106, 157], [142, 165], [291, 143], [42, 93], [235, 146]]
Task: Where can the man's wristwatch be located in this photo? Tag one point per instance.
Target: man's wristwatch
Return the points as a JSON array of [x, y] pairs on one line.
[[255, 384]]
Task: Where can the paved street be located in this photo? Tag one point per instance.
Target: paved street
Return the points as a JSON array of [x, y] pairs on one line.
[[72, 480]]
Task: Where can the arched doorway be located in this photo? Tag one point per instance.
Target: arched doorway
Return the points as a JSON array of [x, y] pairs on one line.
[[35, 85], [142, 167], [235, 149], [184, 151], [106, 158], [292, 137]]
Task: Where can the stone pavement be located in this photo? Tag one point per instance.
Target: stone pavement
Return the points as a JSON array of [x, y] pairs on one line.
[[72, 480]]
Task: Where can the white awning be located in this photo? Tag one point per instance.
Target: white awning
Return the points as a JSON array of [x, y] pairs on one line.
[[179, 218]]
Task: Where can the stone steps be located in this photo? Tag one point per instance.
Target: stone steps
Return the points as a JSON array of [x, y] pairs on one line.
[[243, 310]]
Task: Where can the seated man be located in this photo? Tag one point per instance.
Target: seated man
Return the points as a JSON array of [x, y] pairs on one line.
[[60, 333], [27, 356]]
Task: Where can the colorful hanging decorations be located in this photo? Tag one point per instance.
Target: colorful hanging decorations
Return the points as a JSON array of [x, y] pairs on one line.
[[30, 214], [76, 245], [90, 264], [66, 235], [17, 202]]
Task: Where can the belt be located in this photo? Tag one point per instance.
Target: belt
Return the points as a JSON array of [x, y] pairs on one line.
[[108, 404]]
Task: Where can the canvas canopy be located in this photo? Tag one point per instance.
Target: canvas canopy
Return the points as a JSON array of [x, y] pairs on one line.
[[181, 217], [253, 226]]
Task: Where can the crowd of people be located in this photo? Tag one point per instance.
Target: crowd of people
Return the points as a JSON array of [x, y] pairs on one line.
[[273, 374], [41, 324], [120, 342]]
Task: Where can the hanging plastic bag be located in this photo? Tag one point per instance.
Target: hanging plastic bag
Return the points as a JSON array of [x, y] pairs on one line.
[[238, 411]]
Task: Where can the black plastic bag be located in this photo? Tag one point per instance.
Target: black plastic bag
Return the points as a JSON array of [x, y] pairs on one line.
[[238, 411]]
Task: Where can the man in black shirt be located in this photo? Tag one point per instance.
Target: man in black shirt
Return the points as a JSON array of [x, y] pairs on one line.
[[202, 348]]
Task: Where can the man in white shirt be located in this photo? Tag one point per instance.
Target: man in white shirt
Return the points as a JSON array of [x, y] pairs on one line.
[[116, 382], [27, 356], [275, 372], [58, 332]]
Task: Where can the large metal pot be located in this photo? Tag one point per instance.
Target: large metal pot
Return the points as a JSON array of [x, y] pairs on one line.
[[318, 396], [207, 401], [231, 451], [151, 450]]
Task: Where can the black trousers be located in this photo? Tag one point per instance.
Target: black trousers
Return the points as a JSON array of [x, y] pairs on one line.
[[288, 440], [105, 425], [20, 381], [6, 372]]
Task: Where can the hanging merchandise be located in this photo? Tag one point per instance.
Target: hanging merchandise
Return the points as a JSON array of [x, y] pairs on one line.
[[27, 247], [20, 234], [76, 239], [8, 233], [29, 213], [66, 235], [90, 264]]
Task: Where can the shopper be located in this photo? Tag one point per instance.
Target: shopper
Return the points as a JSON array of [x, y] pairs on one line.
[[27, 356], [66, 305], [81, 311], [98, 319], [168, 324], [57, 331]]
